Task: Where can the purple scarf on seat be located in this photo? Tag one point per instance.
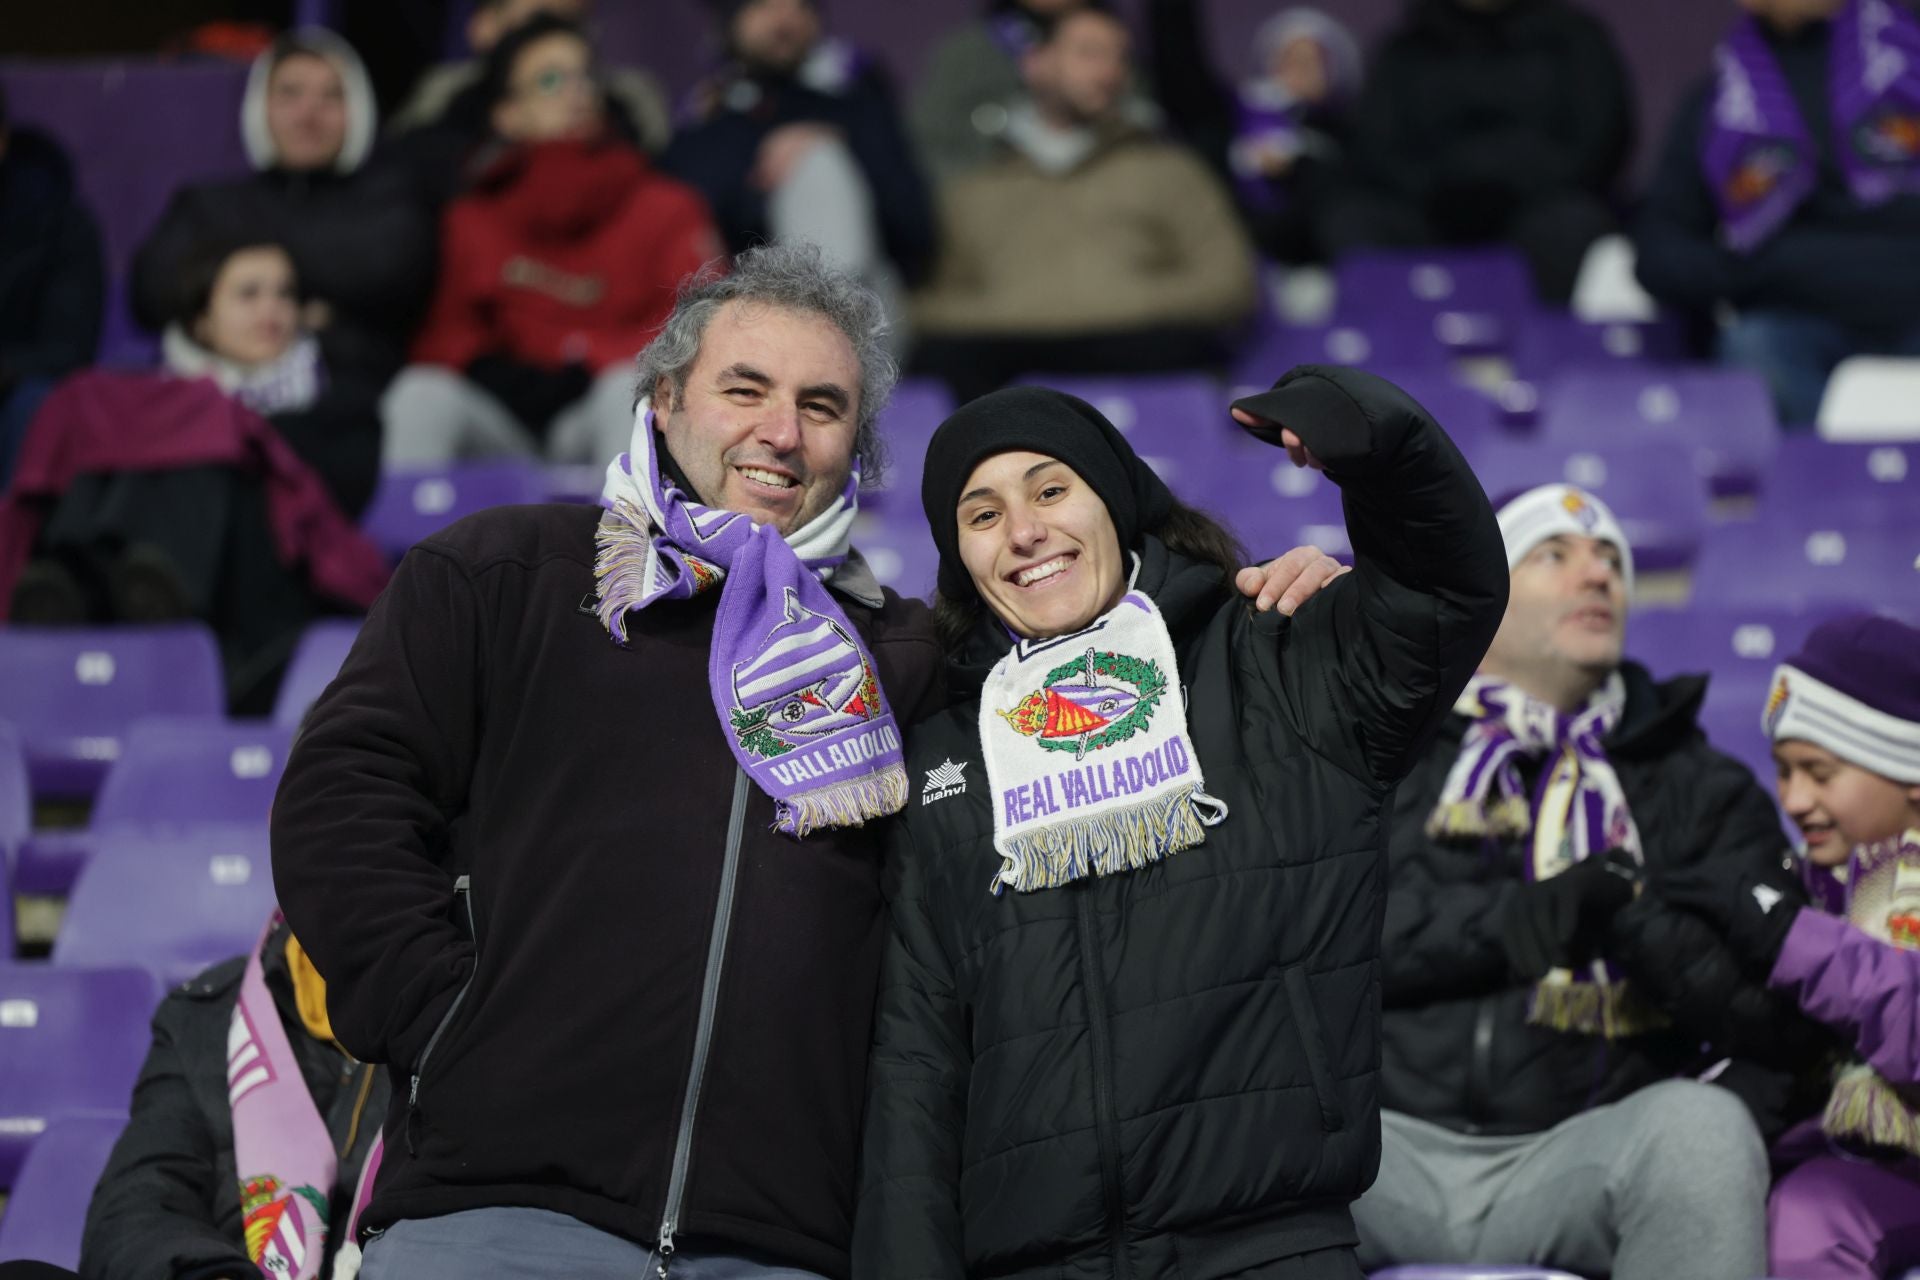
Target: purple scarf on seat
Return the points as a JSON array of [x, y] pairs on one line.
[[1761, 161], [796, 691]]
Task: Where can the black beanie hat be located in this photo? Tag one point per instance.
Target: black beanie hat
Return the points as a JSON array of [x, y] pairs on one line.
[[1041, 420]]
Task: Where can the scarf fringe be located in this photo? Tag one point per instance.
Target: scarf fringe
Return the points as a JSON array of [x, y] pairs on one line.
[[845, 804], [623, 546], [1123, 838], [1612, 1010], [1504, 818], [1866, 1107]]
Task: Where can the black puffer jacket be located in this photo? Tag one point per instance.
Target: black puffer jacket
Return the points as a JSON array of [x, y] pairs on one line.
[[1459, 1049], [1175, 1071], [168, 1205]]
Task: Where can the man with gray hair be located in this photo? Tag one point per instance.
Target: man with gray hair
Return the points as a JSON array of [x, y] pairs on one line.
[[583, 840]]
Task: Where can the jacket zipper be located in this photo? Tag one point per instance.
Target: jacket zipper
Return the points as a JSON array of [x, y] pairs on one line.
[[463, 889], [1105, 1125], [703, 1030], [1480, 1064]]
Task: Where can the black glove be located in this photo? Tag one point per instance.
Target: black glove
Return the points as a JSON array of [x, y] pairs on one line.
[[1752, 902], [1556, 923]]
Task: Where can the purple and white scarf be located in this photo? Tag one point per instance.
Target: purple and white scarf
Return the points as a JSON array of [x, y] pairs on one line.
[[797, 693], [281, 1145], [1880, 891], [1761, 161], [1576, 810]]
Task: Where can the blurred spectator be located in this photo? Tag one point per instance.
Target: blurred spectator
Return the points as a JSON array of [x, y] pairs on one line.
[[1488, 121], [240, 325], [1541, 1013], [556, 267], [51, 278], [352, 218], [959, 108], [214, 1156], [214, 489], [1788, 194], [798, 137], [1088, 245], [447, 119], [1844, 716], [1276, 136]]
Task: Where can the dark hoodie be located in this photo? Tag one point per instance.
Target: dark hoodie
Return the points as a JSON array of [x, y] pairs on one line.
[[51, 277], [1465, 111]]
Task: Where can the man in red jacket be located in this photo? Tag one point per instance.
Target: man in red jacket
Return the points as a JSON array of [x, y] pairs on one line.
[[557, 266]]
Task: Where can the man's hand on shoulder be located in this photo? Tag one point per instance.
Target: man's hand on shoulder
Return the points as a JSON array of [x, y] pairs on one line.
[[1289, 581]]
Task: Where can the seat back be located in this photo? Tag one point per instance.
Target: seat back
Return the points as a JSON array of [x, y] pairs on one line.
[[175, 773], [415, 503], [74, 691], [47, 1210], [175, 903], [1663, 508], [71, 1041], [316, 661]]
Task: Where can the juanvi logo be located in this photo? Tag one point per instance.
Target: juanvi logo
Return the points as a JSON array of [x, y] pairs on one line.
[[949, 779]]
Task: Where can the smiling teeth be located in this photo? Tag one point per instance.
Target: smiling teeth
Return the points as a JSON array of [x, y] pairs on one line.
[[773, 478], [1027, 577]]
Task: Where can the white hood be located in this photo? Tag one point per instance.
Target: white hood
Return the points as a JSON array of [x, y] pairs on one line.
[[362, 113]]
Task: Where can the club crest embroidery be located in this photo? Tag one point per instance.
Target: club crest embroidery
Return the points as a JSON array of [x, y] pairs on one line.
[[1097, 700], [806, 680], [281, 1226], [1776, 705], [1580, 509]]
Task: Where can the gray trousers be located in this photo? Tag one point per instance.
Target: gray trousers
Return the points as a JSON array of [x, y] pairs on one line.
[[1668, 1182], [432, 416], [538, 1244]]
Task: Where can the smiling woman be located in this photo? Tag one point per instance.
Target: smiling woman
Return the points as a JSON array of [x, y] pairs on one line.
[[1135, 906]]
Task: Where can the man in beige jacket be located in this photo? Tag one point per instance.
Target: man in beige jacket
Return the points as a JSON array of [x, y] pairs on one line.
[[1089, 245]]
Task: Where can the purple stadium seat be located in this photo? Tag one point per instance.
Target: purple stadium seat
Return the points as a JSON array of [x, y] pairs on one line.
[[899, 550], [1274, 506], [1389, 340], [16, 818], [1471, 1271], [1738, 646], [72, 692], [1662, 507], [71, 1041], [135, 130], [1157, 413], [174, 774], [411, 505], [1719, 420], [48, 1206], [316, 660], [1811, 564], [917, 409], [1555, 340], [174, 903], [1868, 482], [1376, 281]]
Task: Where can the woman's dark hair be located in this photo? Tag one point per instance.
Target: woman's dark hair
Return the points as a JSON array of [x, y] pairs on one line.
[[496, 74], [1187, 531], [200, 271]]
